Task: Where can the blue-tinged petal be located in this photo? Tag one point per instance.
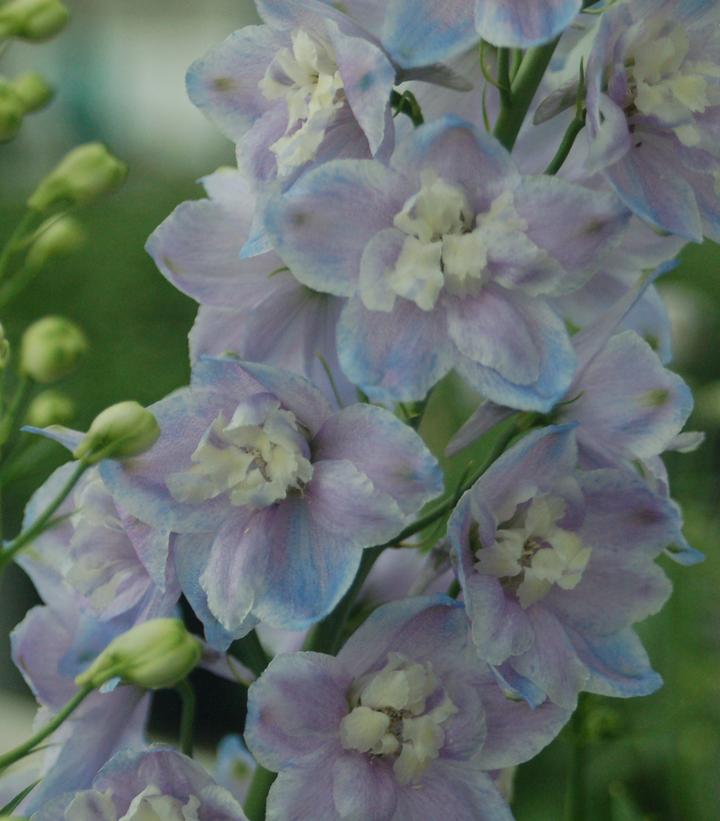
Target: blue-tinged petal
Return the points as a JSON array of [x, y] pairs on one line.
[[191, 553], [550, 344], [292, 329], [225, 84], [197, 248], [459, 153], [628, 403], [422, 32], [295, 709], [368, 78], [302, 793], [394, 356], [618, 665], [523, 23], [238, 379], [283, 566], [389, 453], [649, 182], [321, 226], [363, 788], [139, 485], [552, 663], [432, 628], [453, 789], [66, 437]]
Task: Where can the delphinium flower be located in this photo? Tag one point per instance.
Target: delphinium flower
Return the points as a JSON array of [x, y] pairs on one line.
[[653, 108], [272, 494], [423, 32], [450, 263], [557, 564], [253, 307], [153, 783], [404, 723], [308, 85]]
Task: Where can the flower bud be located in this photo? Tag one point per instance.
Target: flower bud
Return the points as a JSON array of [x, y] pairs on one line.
[[4, 349], [83, 175], [50, 408], [119, 432], [154, 655], [12, 111], [51, 348], [33, 91], [32, 19], [56, 238]]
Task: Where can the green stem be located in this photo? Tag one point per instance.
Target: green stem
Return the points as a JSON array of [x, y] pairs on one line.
[[43, 521], [28, 746], [187, 717], [16, 285], [8, 418], [527, 81], [576, 799], [568, 140], [503, 77], [15, 240], [251, 653], [256, 798]]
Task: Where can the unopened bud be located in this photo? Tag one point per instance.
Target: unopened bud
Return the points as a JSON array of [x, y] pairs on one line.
[[83, 175], [50, 408], [119, 432], [4, 349], [12, 111], [32, 19], [51, 348], [55, 239], [32, 90], [155, 654]]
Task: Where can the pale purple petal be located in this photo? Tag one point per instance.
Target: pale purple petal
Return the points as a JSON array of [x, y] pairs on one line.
[[523, 23]]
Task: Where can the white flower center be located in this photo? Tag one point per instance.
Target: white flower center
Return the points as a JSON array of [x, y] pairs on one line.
[[149, 805], [534, 553], [307, 77], [255, 458], [400, 712], [667, 84], [448, 246]]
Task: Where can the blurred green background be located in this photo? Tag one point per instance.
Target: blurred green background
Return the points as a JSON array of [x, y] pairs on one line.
[[120, 69]]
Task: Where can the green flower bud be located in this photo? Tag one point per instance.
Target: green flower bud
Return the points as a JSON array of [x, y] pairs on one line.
[[83, 175], [119, 432], [51, 348], [4, 349], [55, 238], [155, 654], [32, 19], [50, 408], [32, 90], [12, 111]]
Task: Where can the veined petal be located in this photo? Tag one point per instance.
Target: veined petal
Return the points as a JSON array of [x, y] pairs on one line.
[[523, 23]]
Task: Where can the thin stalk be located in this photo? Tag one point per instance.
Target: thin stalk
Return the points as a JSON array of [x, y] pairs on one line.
[[503, 77], [43, 521], [568, 140], [16, 285], [17, 801], [527, 81], [576, 797], [15, 240], [28, 746], [15, 405], [256, 798], [187, 716]]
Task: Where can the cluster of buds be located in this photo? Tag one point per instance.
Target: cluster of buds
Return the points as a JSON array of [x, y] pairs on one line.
[[23, 95], [32, 20], [51, 349]]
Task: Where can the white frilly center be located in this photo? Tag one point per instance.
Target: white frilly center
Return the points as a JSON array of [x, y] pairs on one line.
[[400, 714], [256, 458], [667, 82], [307, 77], [534, 553], [150, 805], [448, 247]]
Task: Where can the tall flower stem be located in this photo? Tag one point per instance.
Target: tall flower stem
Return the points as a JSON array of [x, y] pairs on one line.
[[187, 716], [15, 241], [576, 798], [41, 524], [256, 799], [28, 746], [523, 89]]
